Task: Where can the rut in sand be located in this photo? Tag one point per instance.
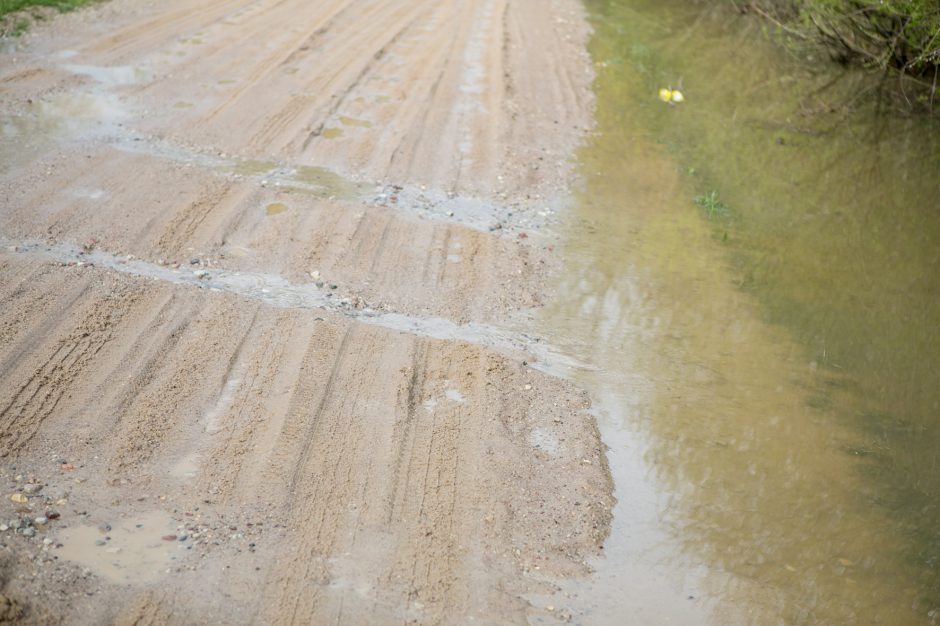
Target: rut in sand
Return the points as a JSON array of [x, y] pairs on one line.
[[261, 262]]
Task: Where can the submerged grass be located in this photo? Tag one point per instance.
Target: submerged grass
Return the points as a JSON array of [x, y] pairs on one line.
[[712, 205]]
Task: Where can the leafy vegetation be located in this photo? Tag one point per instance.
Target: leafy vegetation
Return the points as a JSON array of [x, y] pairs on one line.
[[901, 34], [9, 6], [15, 14]]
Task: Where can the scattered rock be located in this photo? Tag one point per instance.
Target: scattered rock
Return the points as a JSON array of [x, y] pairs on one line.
[[32, 488], [10, 609], [19, 498], [28, 532], [201, 274], [169, 537], [41, 520]]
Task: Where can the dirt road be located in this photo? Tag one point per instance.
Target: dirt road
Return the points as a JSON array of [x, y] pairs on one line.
[[263, 269]]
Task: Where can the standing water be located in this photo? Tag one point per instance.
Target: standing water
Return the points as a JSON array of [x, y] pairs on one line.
[[766, 359]]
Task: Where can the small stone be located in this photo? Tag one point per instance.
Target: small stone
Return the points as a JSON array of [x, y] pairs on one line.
[[169, 537], [201, 274], [47, 541], [4, 528], [104, 528], [28, 532], [528, 387], [183, 537], [19, 498], [53, 514], [67, 467], [32, 488], [100, 542], [41, 520], [194, 261]]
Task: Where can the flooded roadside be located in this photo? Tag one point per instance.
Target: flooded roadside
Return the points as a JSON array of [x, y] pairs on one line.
[[765, 364]]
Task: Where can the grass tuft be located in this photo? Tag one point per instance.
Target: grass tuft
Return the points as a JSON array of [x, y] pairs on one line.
[[712, 205]]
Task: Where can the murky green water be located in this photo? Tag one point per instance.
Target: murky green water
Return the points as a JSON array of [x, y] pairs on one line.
[[769, 374]]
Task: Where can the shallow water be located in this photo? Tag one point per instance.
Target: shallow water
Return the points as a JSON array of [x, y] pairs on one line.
[[766, 376], [127, 551]]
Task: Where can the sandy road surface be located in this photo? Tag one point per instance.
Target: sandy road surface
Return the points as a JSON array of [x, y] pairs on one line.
[[259, 264]]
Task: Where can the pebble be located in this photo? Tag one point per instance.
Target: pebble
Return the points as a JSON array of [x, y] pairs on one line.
[[100, 542], [47, 541], [4, 527], [19, 498], [28, 532], [41, 520], [169, 537], [201, 274], [32, 488]]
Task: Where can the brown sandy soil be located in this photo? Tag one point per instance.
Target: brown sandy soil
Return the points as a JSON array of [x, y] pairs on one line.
[[248, 248]]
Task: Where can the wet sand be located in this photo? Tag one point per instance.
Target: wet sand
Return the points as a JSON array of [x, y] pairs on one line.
[[260, 264]]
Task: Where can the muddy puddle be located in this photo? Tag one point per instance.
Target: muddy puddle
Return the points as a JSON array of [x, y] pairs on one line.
[[765, 360], [57, 117], [135, 550]]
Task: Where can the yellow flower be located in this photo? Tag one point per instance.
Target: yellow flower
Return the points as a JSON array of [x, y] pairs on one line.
[[677, 96], [665, 94]]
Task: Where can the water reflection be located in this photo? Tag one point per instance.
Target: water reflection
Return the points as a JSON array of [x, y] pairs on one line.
[[777, 367]]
